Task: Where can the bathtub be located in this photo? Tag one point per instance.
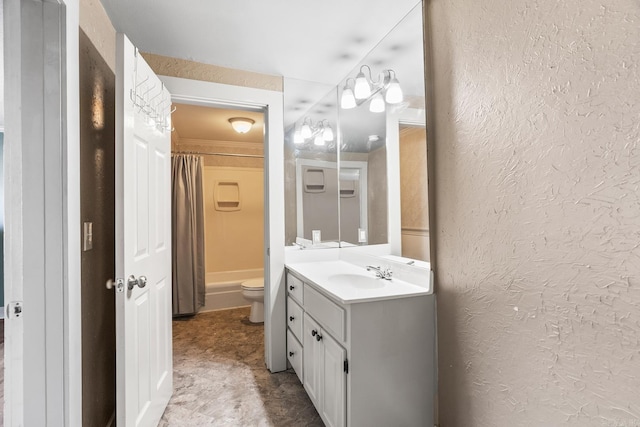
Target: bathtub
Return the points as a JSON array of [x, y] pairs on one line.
[[223, 289]]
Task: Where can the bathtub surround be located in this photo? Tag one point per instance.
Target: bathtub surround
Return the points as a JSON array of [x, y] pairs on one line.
[[187, 234], [234, 218], [537, 211]]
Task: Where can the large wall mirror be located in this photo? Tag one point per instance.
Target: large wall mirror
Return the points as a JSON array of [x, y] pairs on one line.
[[355, 152]]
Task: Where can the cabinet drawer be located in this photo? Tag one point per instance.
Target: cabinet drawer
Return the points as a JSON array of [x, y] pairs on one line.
[[294, 353], [295, 287], [330, 315], [294, 318]]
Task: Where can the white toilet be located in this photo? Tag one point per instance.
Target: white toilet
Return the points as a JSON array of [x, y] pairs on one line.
[[253, 290]]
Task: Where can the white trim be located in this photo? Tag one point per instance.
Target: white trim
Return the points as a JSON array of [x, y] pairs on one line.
[[43, 347], [271, 102]]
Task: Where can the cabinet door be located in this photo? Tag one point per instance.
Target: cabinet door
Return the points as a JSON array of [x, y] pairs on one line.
[[313, 357], [334, 383]]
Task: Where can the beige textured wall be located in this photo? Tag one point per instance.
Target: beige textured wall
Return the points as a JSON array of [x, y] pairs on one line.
[[96, 25], [413, 178], [537, 211], [185, 69], [414, 199]]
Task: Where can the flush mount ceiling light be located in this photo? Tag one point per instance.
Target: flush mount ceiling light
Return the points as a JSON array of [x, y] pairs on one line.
[[241, 124], [319, 133], [362, 89]]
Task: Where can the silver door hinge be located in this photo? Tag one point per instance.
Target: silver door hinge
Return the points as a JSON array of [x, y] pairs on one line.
[[14, 309]]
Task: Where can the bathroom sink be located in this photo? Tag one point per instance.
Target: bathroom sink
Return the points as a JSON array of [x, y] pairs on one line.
[[359, 281]]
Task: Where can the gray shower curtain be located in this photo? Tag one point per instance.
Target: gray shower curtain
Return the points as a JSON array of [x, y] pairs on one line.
[[187, 219]]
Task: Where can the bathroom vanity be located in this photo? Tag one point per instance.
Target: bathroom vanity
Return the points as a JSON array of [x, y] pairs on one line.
[[363, 347]]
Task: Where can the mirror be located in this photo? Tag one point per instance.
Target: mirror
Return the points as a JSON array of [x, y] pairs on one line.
[[381, 156], [311, 165]]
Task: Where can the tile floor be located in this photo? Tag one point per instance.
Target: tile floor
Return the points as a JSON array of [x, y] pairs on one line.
[[220, 378]]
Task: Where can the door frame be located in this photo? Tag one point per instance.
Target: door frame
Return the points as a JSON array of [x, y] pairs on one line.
[[271, 103], [43, 361]]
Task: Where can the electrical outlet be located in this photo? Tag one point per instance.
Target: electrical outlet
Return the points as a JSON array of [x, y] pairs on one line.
[[315, 237]]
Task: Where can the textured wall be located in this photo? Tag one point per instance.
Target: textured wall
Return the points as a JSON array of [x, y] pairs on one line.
[[98, 28], [414, 197], [537, 216], [413, 178], [97, 200], [185, 69]]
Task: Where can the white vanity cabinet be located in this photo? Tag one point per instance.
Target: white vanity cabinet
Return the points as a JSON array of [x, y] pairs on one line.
[[363, 364], [324, 374]]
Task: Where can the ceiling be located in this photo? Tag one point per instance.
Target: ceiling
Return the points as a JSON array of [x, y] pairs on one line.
[[208, 123], [313, 47], [304, 40]]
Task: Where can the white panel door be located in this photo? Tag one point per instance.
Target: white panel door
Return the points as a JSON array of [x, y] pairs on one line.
[[334, 384], [143, 241]]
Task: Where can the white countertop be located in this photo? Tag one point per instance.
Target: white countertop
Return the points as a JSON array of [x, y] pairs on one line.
[[320, 274]]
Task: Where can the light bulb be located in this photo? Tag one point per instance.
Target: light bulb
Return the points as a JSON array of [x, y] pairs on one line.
[[297, 137], [305, 132], [327, 134], [362, 88], [394, 92], [348, 100], [377, 104], [318, 140]]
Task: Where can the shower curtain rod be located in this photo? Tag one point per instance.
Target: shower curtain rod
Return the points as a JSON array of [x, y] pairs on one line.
[[198, 153]]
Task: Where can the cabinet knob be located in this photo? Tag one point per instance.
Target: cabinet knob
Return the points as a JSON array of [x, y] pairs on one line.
[[291, 318], [313, 333], [318, 337], [291, 353], [291, 287]]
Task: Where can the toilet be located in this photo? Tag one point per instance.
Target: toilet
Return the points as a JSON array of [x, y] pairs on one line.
[[253, 290]]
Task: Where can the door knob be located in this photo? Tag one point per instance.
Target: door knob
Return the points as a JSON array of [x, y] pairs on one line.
[[291, 318], [318, 337], [142, 281], [132, 282]]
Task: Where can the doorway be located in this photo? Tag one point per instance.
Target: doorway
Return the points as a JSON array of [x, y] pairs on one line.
[[270, 103], [218, 204]]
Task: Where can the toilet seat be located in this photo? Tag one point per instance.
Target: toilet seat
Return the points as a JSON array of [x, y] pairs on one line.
[[253, 284]]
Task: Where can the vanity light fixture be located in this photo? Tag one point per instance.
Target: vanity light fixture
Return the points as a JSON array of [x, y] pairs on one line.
[[320, 133], [241, 124], [362, 89]]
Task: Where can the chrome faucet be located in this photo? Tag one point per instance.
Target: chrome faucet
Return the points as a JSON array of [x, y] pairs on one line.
[[380, 273]]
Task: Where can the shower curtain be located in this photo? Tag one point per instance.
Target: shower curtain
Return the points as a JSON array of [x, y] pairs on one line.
[[187, 219]]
